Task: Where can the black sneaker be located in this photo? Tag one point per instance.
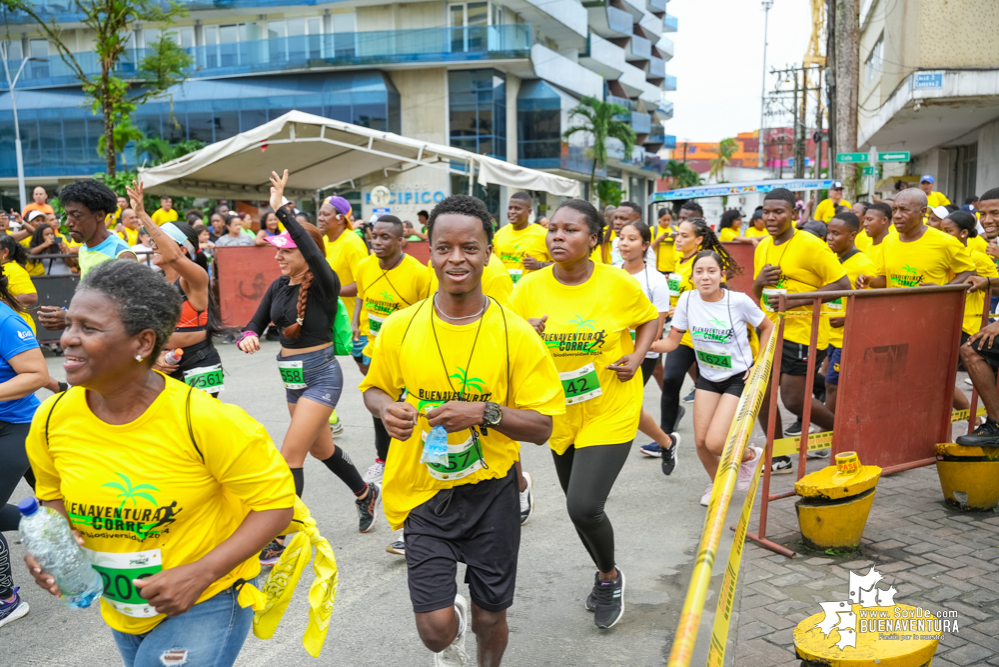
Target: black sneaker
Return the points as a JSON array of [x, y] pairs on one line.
[[591, 599], [794, 429], [608, 598], [689, 398], [669, 455], [271, 553], [781, 465], [986, 435], [367, 508]]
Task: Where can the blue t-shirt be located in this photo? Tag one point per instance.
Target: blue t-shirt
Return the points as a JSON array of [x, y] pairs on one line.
[[15, 338], [105, 251]]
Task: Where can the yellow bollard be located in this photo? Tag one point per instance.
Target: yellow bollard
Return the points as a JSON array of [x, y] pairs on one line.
[[969, 476], [835, 503], [873, 647]]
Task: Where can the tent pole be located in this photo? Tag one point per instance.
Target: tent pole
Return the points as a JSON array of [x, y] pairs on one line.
[[471, 178]]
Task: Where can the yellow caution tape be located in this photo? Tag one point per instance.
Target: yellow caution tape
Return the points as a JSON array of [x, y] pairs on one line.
[[961, 415]]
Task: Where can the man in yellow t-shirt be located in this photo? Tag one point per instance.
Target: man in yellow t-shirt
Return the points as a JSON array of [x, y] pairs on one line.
[[840, 237], [827, 207], [662, 243], [877, 227], [933, 198], [520, 245], [485, 378], [166, 212], [786, 262], [344, 252]]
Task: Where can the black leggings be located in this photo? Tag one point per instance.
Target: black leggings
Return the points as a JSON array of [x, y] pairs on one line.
[[13, 465], [648, 365], [678, 362], [587, 475]]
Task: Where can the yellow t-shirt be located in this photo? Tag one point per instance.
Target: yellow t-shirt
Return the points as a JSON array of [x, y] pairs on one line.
[[978, 244], [345, 255], [147, 498], [974, 303], [728, 234], [160, 216], [665, 252], [435, 362], [856, 265], [935, 199], [588, 328], [131, 236], [865, 243], [496, 281], [511, 246], [827, 209], [753, 232], [806, 263], [934, 258], [19, 282], [384, 292]]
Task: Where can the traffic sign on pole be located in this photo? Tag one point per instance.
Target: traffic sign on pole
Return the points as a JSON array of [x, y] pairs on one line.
[[896, 156], [851, 157], [869, 170]]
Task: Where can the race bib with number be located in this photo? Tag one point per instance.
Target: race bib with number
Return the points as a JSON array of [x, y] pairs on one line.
[[292, 374], [375, 324], [207, 378], [836, 304], [713, 360], [674, 280], [515, 274], [462, 460], [580, 385], [770, 298], [117, 572]]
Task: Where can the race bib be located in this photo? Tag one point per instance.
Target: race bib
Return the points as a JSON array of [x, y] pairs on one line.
[[714, 360], [770, 298], [674, 280], [207, 378], [375, 324], [515, 274], [292, 374], [580, 385], [117, 571], [462, 460], [836, 304]]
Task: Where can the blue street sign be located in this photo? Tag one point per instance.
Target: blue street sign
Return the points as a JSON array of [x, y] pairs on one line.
[[927, 80]]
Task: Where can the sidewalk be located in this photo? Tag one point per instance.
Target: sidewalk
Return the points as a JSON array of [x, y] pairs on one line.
[[936, 557]]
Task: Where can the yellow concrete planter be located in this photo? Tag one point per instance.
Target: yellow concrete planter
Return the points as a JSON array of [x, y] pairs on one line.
[[835, 503], [969, 476], [815, 648]]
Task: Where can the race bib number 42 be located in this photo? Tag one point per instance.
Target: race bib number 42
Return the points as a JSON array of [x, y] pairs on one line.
[[117, 571], [580, 385]]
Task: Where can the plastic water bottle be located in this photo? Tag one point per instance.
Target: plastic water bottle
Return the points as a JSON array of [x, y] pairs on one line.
[[435, 447], [173, 356], [47, 536]]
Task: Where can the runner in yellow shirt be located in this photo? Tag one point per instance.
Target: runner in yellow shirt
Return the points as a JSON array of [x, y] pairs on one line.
[[344, 252], [876, 228], [730, 227], [588, 336], [496, 281], [827, 207], [792, 261], [933, 198], [840, 237], [756, 227], [663, 242], [519, 244], [484, 379], [12, 255], [166, 212]]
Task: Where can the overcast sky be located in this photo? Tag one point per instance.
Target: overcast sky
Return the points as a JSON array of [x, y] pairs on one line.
[[718, 62]]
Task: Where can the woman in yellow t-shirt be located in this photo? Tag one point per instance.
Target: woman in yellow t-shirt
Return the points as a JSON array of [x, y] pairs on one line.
[[173, 493], [730, 226], [588, 336], [662, 242], [12, 258]]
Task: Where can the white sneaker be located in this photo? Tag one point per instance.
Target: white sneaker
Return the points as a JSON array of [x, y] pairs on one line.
[[454, 655], [968, 382], [706, 498], [747, 469], [375, 472], [527, 499]]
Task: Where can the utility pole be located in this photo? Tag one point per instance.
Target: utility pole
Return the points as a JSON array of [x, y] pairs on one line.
[[847, 81], [817, 173], [833, 144], [767, 4]]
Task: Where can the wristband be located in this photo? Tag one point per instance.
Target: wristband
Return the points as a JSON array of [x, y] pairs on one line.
[[246, 334]]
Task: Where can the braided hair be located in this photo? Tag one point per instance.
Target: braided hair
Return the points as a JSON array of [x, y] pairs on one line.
[[15, 251], [710, 242], [295, 329]]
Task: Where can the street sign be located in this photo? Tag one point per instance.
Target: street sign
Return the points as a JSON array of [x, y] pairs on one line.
[[381, 211], [897, 156], [869, 171], [851, 157], [927, 81]]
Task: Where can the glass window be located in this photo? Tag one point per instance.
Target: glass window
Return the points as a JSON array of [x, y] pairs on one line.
[[75, 142], [345, 22], [201, 126], [478, 13], [186, 36], [226, 124], [477, 110], [14, 50], [39, 48], [249, 119], [276, 29], [872, 67]]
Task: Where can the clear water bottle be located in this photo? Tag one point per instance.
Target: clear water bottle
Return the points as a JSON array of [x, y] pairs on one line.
[[47, 537]]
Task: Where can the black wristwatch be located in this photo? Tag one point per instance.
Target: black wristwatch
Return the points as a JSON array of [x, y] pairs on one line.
[[492, 415]]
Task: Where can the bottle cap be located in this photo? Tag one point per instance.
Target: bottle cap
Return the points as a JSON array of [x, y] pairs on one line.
[[28, 506], [179, 352]]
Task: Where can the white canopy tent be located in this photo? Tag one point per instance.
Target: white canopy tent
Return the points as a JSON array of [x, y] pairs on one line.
[[321, 153]]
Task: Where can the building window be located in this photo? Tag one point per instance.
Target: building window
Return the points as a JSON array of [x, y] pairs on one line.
[[872, 67], [477, 108]]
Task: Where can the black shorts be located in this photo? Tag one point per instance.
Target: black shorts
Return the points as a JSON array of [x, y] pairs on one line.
[[476, 524], [794, 359], [733, 385], [990, 355], [648, 365]]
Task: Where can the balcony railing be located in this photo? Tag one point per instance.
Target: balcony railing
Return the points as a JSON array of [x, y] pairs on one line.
[[669, 23], [657, 68], [669, 141], [553, 154], [641, 122], [622, 101], [665, 110], [669, 82], [65, 11], [640, 48], [656, 134], [341, 49]]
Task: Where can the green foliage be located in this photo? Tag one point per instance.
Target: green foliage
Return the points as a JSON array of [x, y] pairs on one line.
[[610, 193], [726, 149], [680, 175], [597, 118], [123, 133], [158, 150]]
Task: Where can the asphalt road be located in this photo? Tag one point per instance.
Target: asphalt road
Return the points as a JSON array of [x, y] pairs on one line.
[[657, 523]]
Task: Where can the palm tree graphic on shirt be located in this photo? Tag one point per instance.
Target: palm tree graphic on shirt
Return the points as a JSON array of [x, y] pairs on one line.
[[581, 324], [478, 384], [129, 492], [719, 322]]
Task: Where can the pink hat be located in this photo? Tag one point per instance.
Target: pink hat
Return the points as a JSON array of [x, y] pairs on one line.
[[282, 240]]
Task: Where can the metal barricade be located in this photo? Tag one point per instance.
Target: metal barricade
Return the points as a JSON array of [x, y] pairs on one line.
[[743, 254], [244, 274]]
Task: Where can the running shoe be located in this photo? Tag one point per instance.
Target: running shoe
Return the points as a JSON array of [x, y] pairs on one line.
[[527, 499], [398, 547], [689, 398], [336, 426], [651, 449], [680, 412], [968, 382], [706, 498], [454, 655], [375, 472], [781, 465], [367, 508], [13, 610], [591, 599], [271, 553], [747, 469], [818, 453], [794, 429], [608, 598], [669, 456], [986, 435]]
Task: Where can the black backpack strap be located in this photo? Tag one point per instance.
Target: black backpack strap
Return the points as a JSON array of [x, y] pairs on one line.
[[48, 417], [190, 425]]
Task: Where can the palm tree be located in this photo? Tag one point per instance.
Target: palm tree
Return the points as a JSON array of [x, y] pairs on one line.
[[160, 150], [598, 120], [726, 149], [680, 175]]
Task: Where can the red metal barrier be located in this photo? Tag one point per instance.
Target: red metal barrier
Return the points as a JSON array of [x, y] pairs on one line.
[[742, 253], [244, 274], [420, 250]]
